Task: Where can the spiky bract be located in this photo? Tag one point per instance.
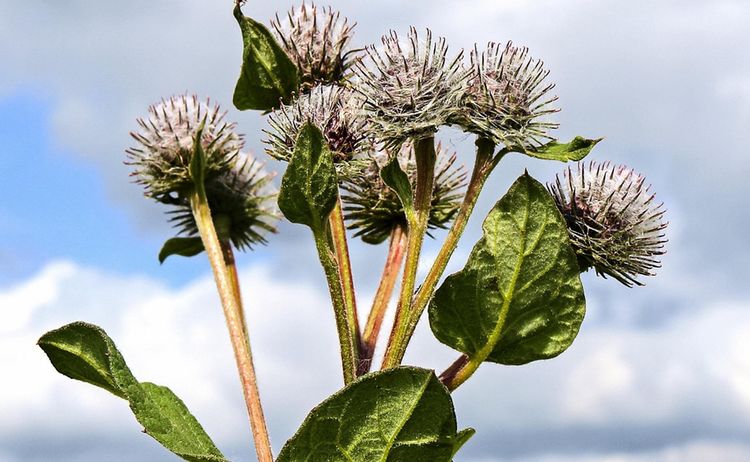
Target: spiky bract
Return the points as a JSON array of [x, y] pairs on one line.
[[166, 140], [334, 110], [239, 200], [507, 98], [316, 39], [410, 88], [614, 223], [374, 210]]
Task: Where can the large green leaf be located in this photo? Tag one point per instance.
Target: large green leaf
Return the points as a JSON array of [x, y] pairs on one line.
[[268, 77], [84, 352], [576, 149], [309, 188], [399, 415], [519, 298]]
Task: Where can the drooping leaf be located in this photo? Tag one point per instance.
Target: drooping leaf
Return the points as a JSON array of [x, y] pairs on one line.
[[268, 77], [309, 188], [575, 150], [85, 352], [396, 179], [398, 415], [182, 246], [519, 298]]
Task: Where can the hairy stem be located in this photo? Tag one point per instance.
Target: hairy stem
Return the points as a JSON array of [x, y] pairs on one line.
[[346, 340], [229, 297], [341, 248], [226, 248], [448, 377], [424, 154], [391, 270], [483, 166]]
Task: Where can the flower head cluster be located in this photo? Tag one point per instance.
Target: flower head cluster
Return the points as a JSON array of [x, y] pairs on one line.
[[239, 202], [374, 210], [410, 88], [334, 110], [316, 40], [166, 141], [507, 97], [615, 226]]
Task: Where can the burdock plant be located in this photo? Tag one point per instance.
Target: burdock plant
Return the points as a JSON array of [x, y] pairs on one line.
[[357, 129]]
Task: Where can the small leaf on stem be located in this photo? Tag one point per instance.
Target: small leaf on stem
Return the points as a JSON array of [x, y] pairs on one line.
[[575, 150], [396, 179], [309, 188], [268, 77], [182, 246]]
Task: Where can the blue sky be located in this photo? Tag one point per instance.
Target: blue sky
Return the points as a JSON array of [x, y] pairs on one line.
[[658, 374]]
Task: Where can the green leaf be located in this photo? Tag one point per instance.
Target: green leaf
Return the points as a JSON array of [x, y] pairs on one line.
[[182, 246], [519, 298], [396, 179], [399, 415], [461, 438], [84, 352], [198, 162], [576, 150], [309, 188], [268, 77]]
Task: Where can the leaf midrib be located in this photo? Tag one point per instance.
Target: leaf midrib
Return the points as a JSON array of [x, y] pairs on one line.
[[408, 415]]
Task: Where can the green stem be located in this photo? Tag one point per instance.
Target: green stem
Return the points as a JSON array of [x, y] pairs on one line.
[[330, 267], [341, 248], [424, 154], [483, 166], [382, 296], [235, 324]]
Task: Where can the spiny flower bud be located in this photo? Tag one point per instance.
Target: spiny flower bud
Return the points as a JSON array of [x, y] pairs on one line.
[[614, 224], [166, 140], [239, 199], [507, 98], [410, 88], [316, 41], [374, 210], [333, 109]]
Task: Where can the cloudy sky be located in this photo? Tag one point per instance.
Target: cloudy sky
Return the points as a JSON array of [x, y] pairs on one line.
[[660, 373]]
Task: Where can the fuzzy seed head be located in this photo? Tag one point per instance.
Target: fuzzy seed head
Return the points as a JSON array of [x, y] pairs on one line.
[[316, 40], [334, 110], [507, 97], [165, 143], [374, 210], [240, 202], [410, 88], [614, 222]]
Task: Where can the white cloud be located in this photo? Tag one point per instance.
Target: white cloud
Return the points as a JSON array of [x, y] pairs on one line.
[[686, 381]]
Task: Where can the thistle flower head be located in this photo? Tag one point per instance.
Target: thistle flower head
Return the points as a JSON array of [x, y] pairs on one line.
[[410, 88], [166, 140], [239, 199], [507, 97], [333, 109], [614, 223], [316, 40], [374, 210]]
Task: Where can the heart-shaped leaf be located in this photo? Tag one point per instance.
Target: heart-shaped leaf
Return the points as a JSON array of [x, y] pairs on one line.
[[399, 415], [519, 298], [85, 352]]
